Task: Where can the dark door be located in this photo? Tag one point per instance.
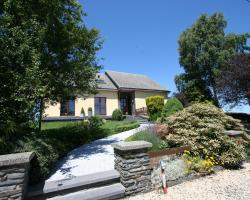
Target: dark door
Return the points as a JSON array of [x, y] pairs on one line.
[[125, 104]]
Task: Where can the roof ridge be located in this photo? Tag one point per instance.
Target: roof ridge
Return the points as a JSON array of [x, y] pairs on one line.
[[130, 73]]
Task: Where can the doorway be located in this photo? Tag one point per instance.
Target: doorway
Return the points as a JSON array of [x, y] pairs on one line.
[[126, 100]]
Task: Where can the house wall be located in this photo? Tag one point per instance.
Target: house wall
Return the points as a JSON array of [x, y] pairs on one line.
[[140, 97], [52, 110], [85, 103]]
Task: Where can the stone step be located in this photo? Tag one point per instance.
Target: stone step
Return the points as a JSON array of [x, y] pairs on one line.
[[53, 188], [114, 191]]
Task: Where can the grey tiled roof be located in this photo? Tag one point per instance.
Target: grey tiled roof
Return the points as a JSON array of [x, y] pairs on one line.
[[104, 82], [133, 81]]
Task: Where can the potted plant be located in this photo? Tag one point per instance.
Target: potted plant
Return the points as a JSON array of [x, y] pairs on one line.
[[82, 114], [90, 112]]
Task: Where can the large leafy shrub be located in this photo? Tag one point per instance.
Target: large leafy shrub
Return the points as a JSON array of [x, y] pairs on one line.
[[201, 126], [154, 106], [117, 115], [172, 106]]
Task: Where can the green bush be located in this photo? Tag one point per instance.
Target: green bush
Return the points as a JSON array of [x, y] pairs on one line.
[[49, 146], [148, 136], [126, 127], [172, 106], [202, 127], [95, 124], [83, 112], [196, 164], [112, 127], [154, 106], [117, 115]]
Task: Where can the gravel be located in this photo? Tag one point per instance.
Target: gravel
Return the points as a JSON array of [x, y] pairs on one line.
[[224, 185]]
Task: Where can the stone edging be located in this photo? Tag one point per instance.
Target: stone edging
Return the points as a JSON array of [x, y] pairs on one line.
[[16, 159]]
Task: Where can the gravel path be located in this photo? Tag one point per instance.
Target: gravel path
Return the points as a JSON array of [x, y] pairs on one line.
[[225, 185], [90, 158]]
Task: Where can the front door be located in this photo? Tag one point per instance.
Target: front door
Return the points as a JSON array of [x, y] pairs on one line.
[[126, 103]]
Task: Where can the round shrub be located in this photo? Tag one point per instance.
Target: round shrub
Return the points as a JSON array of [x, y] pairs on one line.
[[202, 127], [172, 106], [117, 115], [95, 129], [154, 106], [95, 123]]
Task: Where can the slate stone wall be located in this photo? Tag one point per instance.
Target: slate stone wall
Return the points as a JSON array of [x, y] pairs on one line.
[[14, 170], [133, 163]]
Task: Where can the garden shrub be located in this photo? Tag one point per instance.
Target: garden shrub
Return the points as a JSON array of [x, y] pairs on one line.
[[126, 127], [95, 124], [172, 106], [83, 112], [148, 136], [202, 127], [117, 115], [49, 146], [196, 164], [154, 106], [112, 127]]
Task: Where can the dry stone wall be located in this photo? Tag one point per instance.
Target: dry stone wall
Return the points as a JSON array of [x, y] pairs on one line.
[[14, 170], [133, 163]]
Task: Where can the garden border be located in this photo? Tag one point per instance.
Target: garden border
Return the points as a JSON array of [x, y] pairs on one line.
[[156, 156]]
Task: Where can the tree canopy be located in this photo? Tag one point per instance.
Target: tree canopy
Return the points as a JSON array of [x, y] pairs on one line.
[[234, 81], [204, 48], [46, 52]]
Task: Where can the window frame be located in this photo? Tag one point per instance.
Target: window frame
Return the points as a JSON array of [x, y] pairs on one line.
[[67, 102], [99, 107]]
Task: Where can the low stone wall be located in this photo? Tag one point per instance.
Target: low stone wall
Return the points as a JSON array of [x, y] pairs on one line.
[[14, 170], [133, 163]]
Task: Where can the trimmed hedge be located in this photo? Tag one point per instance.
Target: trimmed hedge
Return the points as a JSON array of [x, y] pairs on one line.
[[154, 106]]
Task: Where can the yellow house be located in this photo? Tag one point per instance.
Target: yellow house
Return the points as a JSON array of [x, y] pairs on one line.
[[115, 90]]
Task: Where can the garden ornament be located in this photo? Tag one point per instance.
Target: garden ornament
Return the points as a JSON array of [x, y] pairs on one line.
[[163, 176]]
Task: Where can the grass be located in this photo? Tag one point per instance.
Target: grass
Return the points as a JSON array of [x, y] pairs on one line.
[[157, 143], [55, 140]]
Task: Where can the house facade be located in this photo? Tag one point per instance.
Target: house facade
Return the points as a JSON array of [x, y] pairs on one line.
[[115, 90]]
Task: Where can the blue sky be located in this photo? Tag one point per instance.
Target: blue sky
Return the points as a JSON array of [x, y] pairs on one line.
[[140, 36]]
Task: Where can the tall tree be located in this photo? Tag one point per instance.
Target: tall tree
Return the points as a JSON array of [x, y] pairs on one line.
[[46, 53], [234, 81], [204, 49]]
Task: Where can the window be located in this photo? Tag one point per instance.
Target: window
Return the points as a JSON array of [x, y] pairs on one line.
[[100, 105], [67, 107]]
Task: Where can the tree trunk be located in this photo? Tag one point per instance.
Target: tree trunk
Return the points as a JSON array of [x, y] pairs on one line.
[[40, 113]]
